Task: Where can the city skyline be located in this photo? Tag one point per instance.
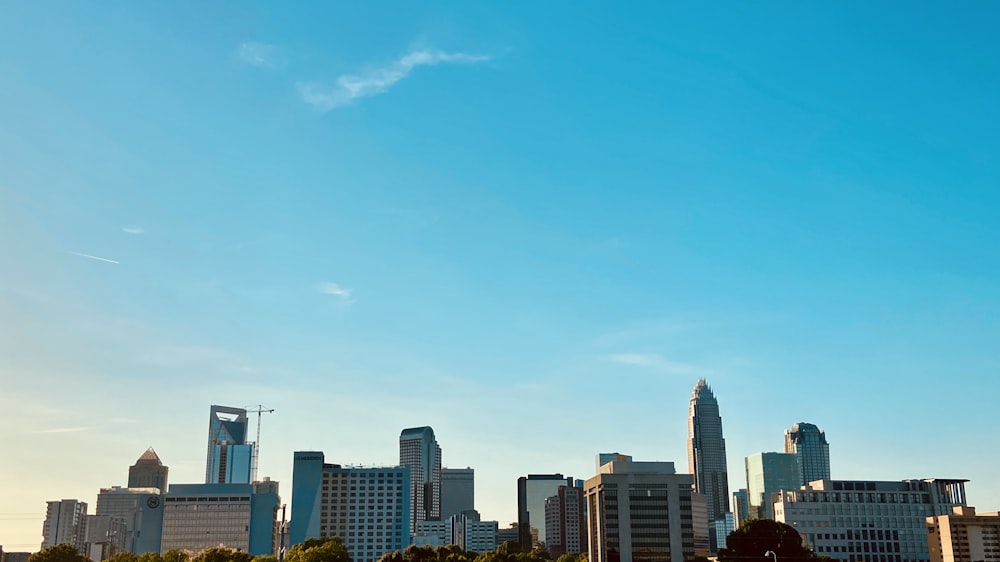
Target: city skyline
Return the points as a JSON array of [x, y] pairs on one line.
[[531, 227]]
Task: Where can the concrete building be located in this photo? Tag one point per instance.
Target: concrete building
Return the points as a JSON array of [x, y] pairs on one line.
[[707, 454], [532, 491], [148, 472], [369, 508], [106, 535], [964, 536], [509, 534], [65, 523], [238, 516], [605, 458], [419, 451], [142, 511], [700, 525], [741, 506], [230, 456], [565, 530], [808, 443], [639, 512], [16, 556], [768, 473], [458, 491], [868, 521], [464, 530]]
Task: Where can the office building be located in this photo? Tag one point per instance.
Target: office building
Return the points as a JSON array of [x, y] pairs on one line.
[[868, 521], [768, 473], [808, 443], [707, 454], [236, 516], [639, 512], [65, 523], [464, 530], [700, 525], [16, 556], [458, 491], [532, 491], [369, 508], [142, 511], [605, 458], [148, 472], [964, 536], [106, 535], [565, 530], [741, 506], [723, 527], [419, 451], [509, 534], [230, 456]]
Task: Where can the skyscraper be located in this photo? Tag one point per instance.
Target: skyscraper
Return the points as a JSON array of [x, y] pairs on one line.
[[65, 522], [707, 454], [768, 473], [458, 492], [230, 456], [419, 451], [808, 443], [148, 472], [532, 491]]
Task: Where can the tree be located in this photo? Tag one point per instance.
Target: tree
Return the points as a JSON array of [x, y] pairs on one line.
[[265, 558], [222, 554], [330, 549], [758, 536], [174, 555], [59, 553], [123, 557], [154, 557]]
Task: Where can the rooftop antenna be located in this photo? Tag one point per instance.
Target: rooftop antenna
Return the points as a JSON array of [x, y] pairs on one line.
[[256, 444]]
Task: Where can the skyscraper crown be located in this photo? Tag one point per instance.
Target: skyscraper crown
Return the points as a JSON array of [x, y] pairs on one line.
[[149, 456]]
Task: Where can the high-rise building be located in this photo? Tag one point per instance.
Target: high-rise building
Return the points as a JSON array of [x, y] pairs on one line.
[[565, 531], [148, 472], [605, 458], [639, 512], [369, 508], [65, 523], [868, 521], [964, 536], [707, 454], [236, 516], [723, 527], [230, 455], [464, 530], [768, 473], [106, 535], [419, 451], [741, 506], [808, 443], [532, 490], [458, 491], [142, 510]]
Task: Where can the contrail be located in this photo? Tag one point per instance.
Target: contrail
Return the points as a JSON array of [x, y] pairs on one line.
[[94, 257]]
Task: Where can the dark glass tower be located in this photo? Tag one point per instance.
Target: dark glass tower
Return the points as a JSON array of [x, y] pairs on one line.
[[808, 443], [707, 455]]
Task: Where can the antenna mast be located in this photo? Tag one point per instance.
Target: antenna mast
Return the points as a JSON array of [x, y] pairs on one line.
[[256, 444]]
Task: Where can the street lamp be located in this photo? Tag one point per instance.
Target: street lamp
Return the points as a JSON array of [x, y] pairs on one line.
[[771, 554]]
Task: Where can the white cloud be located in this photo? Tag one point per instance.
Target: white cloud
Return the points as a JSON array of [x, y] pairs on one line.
[[336, 290], [350, 87], [133, 229], [658, 363], [258, 54]]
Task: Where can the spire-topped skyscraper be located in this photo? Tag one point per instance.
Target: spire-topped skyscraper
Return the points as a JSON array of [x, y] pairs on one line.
[[707, 454], [148, 472]]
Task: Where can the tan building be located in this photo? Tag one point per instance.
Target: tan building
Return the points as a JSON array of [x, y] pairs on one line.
[[964, 536]]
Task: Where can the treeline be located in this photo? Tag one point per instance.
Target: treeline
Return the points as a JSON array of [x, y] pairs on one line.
[[506, 552]]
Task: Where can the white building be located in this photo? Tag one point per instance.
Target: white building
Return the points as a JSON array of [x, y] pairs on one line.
[[419, 451], [65, 523]]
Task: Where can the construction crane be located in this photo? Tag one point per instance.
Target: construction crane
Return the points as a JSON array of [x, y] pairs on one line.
[[256, 445]]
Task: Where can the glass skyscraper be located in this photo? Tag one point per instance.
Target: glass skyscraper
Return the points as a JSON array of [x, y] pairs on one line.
[[768, 473], [230, 456], [808, 443], [419, 451], [707, 455]]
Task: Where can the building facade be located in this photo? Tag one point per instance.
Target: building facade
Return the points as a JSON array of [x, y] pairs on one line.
[[964, 536], [868, 521], [812, 452], [148, 472], [419, 451], [65, 523], [707, 454], [458, 491], [369, 508], [532, 491], [106, 535], [142, 510], [237, 516], [565, 531], [639, 512], [464, 530], [605, 458], [768, 473], [741, 506], [230, 456]]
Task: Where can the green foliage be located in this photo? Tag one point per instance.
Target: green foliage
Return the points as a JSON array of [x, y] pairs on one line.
[[58, 553], [222, 554], [319, 550], [757, 536], [572, 557], [153, 557], [123, 557], [265, 558], [172, 555]]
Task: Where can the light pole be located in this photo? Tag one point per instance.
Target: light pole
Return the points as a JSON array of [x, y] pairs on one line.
[[771, 554]]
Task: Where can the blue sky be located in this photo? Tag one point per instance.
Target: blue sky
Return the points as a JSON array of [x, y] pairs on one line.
[[532, 226]]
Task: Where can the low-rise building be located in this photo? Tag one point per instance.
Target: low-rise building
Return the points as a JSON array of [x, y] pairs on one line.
[[964, 536]]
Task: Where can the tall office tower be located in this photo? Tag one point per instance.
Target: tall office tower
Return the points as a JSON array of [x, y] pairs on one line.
[[639, 512], [741, 505], [808, 443], [230, 456], [369, 508], [419, 451], [605, 458], [565, 531], [532, 490], [768, 473], [964, 536], [65, 522], [458, 491], [869, 521], [148, 472], [242, 517], [707, 454], [142, 509]]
